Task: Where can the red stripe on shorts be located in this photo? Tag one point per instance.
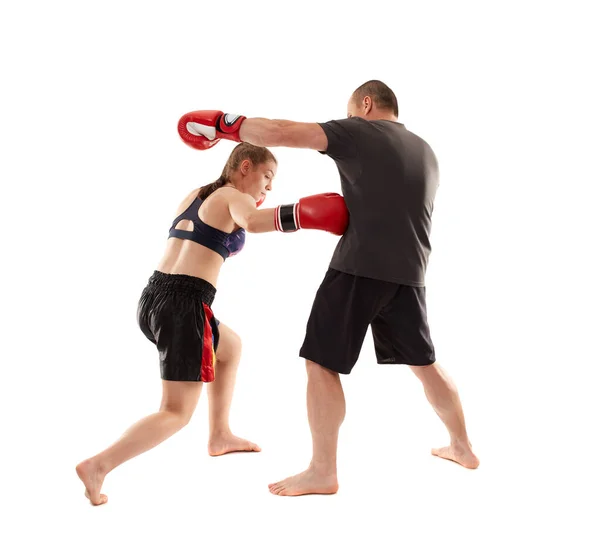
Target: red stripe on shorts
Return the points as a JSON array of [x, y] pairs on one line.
[[207, 370]]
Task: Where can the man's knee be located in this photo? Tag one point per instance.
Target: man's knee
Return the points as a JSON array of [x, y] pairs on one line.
[[312, 368], [427, 371]]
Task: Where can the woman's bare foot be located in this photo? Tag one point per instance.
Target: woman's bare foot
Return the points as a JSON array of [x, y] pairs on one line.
[[459, 453], [92, 476], [220, 444], [307, 482]]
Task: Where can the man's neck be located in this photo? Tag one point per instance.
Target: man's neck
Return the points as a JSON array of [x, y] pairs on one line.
[[381, 116]]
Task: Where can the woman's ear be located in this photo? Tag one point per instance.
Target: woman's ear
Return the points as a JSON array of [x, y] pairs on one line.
[[246, 167]]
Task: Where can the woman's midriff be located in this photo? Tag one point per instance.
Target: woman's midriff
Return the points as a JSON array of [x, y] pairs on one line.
[[187, 257]]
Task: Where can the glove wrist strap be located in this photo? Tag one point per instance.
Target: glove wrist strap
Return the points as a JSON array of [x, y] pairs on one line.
[[286, 218]]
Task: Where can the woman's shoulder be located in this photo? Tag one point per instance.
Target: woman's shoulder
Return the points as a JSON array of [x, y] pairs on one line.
[[226, 191], [215, 208], [186, 202]]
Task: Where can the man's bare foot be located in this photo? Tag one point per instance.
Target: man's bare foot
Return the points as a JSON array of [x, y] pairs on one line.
[[459, 453], [220, 444], [92, 476], [308, 482]]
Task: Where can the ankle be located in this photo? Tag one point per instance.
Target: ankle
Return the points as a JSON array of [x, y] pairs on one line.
[[323, 468], [101, 464], [220, 432], [462, 442]]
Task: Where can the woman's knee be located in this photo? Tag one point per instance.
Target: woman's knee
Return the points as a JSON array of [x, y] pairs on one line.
[[179, 415], [180, 399], [230, 345]]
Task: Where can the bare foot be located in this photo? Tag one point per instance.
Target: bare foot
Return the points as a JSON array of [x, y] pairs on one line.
[[228, 443], [92, 477], [459, 453], [307, 482]]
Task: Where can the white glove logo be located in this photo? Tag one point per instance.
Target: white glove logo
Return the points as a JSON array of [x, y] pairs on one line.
[[230, 119]]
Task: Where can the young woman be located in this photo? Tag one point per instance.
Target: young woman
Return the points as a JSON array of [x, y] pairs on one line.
[[174, 310]]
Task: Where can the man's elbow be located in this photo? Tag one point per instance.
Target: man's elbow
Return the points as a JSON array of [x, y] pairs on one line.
[[277, 135], [302, 135]]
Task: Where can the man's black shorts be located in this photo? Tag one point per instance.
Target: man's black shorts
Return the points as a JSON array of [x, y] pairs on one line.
[[174, 313], [345, 306]]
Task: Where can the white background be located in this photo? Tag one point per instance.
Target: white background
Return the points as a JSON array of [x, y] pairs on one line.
[[92, 171]]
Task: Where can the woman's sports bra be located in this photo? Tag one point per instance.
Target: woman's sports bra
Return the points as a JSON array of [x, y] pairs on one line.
[[226, 244]]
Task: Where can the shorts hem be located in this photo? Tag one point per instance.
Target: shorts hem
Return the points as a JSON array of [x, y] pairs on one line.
[[404, 363], [167, 378], [323, 364]]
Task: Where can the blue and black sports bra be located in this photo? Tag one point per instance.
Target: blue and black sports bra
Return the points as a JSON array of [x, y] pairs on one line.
[[226, 244]]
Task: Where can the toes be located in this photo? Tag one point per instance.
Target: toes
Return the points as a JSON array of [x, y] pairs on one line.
[[249, 446], [232, 446], [96, 500], [440, 451], [460, 456]]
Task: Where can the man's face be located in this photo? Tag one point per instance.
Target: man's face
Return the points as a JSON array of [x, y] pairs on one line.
[[352, 110]]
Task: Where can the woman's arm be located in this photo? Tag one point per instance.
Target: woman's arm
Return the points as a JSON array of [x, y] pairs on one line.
[[245, 214], [325, 211]]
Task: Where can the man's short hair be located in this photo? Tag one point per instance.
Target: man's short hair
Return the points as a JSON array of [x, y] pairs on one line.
[[381, 94]]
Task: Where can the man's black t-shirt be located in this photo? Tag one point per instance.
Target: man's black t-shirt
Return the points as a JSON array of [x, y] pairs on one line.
[[389, 180]]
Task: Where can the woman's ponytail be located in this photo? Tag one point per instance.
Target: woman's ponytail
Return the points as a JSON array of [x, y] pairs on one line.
[[207, 190]]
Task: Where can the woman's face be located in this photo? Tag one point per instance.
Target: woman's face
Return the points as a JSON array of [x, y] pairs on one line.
[[258, 180]]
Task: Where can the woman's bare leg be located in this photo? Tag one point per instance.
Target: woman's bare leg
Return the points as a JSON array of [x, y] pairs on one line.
[[178, 404], [220, 395]]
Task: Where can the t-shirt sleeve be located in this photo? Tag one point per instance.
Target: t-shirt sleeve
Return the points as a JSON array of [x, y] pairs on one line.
[[342, 138]]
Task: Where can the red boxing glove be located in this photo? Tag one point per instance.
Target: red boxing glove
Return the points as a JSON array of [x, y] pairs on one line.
[[203, 129], [326, 212]]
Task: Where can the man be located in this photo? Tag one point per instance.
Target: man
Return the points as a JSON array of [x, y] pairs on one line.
[[377, 274]]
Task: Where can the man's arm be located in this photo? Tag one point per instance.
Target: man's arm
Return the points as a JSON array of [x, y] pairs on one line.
[[203, 129], [289, 134]]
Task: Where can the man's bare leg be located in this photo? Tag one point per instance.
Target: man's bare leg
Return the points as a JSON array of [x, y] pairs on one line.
[[220, 394], [178, 404], [443, 396], [326, 411]]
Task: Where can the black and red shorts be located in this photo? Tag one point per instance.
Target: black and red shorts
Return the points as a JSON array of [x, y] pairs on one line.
[[174, 313]]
